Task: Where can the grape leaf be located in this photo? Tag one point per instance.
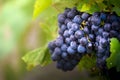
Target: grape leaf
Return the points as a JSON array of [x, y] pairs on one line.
[[99, 1], [47, 32], [115, 2], [41, 5], [91, 6], [60, 5], [85, 7], [114, 59], [116, 9], [38, 56], [87, 62], [48, 24]]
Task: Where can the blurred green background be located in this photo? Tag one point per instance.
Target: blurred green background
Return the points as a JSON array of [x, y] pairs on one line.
[[19, 33]]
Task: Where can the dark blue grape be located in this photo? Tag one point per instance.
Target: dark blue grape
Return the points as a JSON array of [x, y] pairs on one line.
[[59, 42], [107, 27], [64, 55], [66, 11], [89, 19], [100, 31], [66, 33], [77, 19], [85, 16], [60, 37], [96, 20], [73, 45], [70, 50], [57, 51], [64, 47], [67, 20], [71, 32], [100, 50], [79, 34], [103, 16], [116, 25], [105, 34], [55, 57], [63, 27], [61, 18], [94, 28], [69, 24], [83, 41], [67, 40], [98, 38], [72, 37], [103, 42], [71, 14], [113, 33], [74, 27], [81, 49], [113, 18], [60, 32], [52, 45]]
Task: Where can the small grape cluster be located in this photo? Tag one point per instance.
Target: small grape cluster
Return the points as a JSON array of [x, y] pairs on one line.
[[81, 33]]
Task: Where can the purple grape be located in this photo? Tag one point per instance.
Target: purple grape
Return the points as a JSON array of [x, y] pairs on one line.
[[70, 50], [77, 19], [79, 34], [85, 16], [81, 49], [107, 27]]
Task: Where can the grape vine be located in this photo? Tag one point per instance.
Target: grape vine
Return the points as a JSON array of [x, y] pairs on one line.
[[92, 28], [81, 33]]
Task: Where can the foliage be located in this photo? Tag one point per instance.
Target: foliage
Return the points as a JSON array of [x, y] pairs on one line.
[[87, 62], [41, 5], [47, 14], [37, 56], [114, 59]]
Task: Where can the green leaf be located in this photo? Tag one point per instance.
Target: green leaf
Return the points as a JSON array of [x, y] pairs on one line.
[[48, 25], [85, 7], [116, 9], [87, 62], [99, 1], [114, 59], [115, 2], [38, 56], [40, 6], [60, 5], [91, 6]]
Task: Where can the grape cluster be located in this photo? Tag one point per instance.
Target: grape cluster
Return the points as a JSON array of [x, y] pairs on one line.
[[81, 33], [104, 26]]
